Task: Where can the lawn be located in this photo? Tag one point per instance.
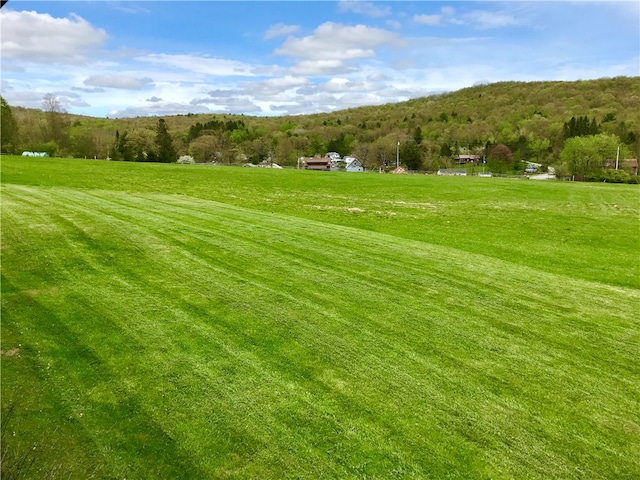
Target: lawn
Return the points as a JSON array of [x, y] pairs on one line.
[[187, 321]]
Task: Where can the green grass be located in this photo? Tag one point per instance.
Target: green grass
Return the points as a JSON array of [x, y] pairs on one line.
[[204, 322]]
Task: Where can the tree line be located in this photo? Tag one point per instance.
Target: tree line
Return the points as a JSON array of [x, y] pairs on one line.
[[427, 133]]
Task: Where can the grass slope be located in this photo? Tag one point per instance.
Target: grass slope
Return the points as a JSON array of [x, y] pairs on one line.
[[192, 322]]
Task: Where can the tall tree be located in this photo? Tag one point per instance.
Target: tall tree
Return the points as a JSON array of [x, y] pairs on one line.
[[54, 114], [417, 135], [165, 152], [8, 128], [500, 159], [411, 156]]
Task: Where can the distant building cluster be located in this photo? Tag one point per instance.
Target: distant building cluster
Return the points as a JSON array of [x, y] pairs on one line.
[[331, 162]]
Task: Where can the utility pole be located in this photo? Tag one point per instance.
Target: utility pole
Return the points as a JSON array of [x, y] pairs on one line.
[[398, 156], [618, 157]]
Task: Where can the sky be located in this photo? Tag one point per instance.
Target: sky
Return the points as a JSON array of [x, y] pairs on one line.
[[267, 58]]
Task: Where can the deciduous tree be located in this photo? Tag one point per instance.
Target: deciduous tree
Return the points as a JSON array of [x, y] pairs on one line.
[[500, 158], [54, 114], [584, 156], [8, 128]]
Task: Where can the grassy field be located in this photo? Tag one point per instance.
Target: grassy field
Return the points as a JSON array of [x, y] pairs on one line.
[[184, 321]]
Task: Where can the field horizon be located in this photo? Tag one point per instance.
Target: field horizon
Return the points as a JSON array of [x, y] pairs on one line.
[[184, 321]]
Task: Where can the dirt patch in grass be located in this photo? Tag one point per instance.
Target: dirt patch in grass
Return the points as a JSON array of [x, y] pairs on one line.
[[14, 352]]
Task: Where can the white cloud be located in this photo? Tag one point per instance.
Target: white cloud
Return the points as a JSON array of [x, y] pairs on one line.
[[280, 30], [483, 19], [377, 77], [118, 81], [363, 8], [337, 41], [132, 9], [40, 38], [332, 45], [158, 109], [274, 86], [230, 101], [200, 64], [321, 67], [89, 90], [479, 19], [428, 19]]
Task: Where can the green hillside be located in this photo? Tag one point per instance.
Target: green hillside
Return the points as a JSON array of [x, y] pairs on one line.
[[530, 118], [188, 321]]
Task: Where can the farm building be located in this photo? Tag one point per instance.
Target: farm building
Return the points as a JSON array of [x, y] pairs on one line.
[[316, 163], [629, 165], [468, 159]]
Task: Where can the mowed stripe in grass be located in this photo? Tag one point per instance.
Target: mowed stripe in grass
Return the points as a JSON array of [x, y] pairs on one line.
[[181, 337], [588, 231]]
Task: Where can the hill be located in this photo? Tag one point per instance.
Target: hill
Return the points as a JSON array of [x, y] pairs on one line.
[[528, 117]]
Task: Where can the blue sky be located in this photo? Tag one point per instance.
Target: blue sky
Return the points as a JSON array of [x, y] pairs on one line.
[[134, 58]]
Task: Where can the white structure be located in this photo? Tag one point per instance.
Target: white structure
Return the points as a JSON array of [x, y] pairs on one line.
[[352, 164], [455, 172], [532, 167], [35, 154], [347, 164]]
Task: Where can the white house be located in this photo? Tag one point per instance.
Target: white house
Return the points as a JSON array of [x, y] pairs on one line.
[[346, 164], [352, 164]]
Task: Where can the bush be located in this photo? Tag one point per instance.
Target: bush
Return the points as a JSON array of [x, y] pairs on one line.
[[614, 176], [186, 159]]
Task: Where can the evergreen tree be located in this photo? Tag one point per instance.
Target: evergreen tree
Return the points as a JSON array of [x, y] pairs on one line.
[[165, 152], [417, 135], [411, 156], [445, 150], [114, 151], [580, 127], [121, 149]]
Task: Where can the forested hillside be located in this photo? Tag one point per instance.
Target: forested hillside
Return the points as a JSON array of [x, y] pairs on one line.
[[533, 120]]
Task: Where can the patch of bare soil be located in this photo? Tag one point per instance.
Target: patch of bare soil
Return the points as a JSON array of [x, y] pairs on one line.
[[14, 352]]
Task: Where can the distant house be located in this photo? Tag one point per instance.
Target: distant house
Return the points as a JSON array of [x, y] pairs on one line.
[[352, 164], [629, 165], [316, 163], [456, 172], [532, 167], [346, 164], [468, 159]]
